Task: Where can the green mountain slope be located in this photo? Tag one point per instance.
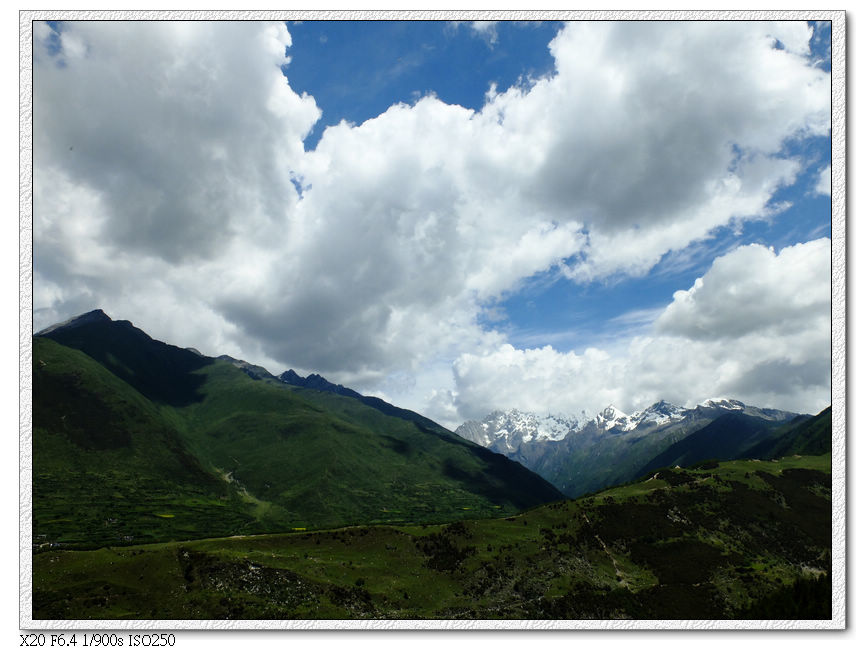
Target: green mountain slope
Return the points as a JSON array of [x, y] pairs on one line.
[[744, 539], [188, 447], [110, 466], [320, 459], [608, 461], [726, 438], [810, 437]]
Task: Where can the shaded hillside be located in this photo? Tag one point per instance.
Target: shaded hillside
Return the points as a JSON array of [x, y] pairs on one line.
[[810, 437], [161, 372], [586, 468], [141, 440], [744, 539], [726, 438]]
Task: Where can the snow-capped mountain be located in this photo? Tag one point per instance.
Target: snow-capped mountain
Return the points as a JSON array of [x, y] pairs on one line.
[[514, 428], [506, 432], [660, 414], [612, 418], [717, 402], [657, 415], [580, 453], [511, 429]]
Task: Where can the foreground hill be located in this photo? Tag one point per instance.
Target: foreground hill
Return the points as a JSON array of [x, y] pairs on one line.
[[109, 465], [740, 539], [137, 440]]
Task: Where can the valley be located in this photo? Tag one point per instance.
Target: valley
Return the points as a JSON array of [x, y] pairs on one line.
[[170, 485]]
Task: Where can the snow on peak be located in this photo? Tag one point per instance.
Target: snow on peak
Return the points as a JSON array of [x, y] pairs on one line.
[[513, 425], [557, 426], [659, 413], [720, 402], [612, 417], [511, 429]]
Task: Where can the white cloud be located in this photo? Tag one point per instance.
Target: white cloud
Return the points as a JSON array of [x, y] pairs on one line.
[[755, 327], [165, 153], [753, 290], [630, 138], [824, 181], [540, 379], [486, 29], [187, 132]]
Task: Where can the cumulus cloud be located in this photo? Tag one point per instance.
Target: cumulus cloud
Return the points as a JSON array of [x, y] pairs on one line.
[[163, 154], [754, 290], [187, 132], [635, 143], [540, 379], [755, 327], [171, 187]]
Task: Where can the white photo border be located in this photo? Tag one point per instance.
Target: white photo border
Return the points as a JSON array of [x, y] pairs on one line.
[[839, 322]]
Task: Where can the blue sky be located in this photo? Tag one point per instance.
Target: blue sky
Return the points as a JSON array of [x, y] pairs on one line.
[[538, 215], [356, 71]]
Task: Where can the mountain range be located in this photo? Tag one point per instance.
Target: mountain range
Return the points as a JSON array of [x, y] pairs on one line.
[[172, 485]]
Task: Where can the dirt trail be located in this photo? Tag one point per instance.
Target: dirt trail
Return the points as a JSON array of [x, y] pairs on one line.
[[619, 574]]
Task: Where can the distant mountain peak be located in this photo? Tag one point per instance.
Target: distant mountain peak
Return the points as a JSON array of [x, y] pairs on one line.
[[290, 376], [590, 452], [255, 372], [721, 402], [506, 430], [95, 316], [317, 382], [611, 417]]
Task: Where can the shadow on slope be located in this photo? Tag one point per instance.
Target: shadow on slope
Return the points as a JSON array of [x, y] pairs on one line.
[[159, 371]]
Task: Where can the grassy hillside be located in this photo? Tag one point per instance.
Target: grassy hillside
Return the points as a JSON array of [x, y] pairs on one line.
[[743, 539], [161, 372], [110, 466], [148, 442], [316, 459]]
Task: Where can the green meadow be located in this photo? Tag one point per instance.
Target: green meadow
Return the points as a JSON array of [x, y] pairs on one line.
[[740, 539]]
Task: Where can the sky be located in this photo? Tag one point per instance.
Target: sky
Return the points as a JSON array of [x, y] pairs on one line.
[[457, 217]]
